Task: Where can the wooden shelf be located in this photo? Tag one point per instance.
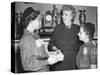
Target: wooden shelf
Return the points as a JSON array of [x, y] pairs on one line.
[[45, 34]]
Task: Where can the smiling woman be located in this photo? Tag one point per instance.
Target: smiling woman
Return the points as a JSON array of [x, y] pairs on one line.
[[65, 39]]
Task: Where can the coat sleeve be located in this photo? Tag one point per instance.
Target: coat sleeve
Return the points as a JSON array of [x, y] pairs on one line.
[[78, 57], [52, 39]]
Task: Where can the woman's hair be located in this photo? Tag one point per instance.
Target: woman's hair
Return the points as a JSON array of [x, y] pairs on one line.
[[69, 8], [28, 15], [89, 28]]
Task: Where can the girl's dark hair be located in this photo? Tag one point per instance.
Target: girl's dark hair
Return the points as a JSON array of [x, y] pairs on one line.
[[89, 28], [28, 15]]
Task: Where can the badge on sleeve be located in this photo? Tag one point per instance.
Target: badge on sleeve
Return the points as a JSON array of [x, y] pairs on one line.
[[85, 51], [38, 43]]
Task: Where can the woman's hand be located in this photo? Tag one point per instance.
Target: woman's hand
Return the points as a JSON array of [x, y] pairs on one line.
[[60, 56], [55, 56], [51, 60]]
